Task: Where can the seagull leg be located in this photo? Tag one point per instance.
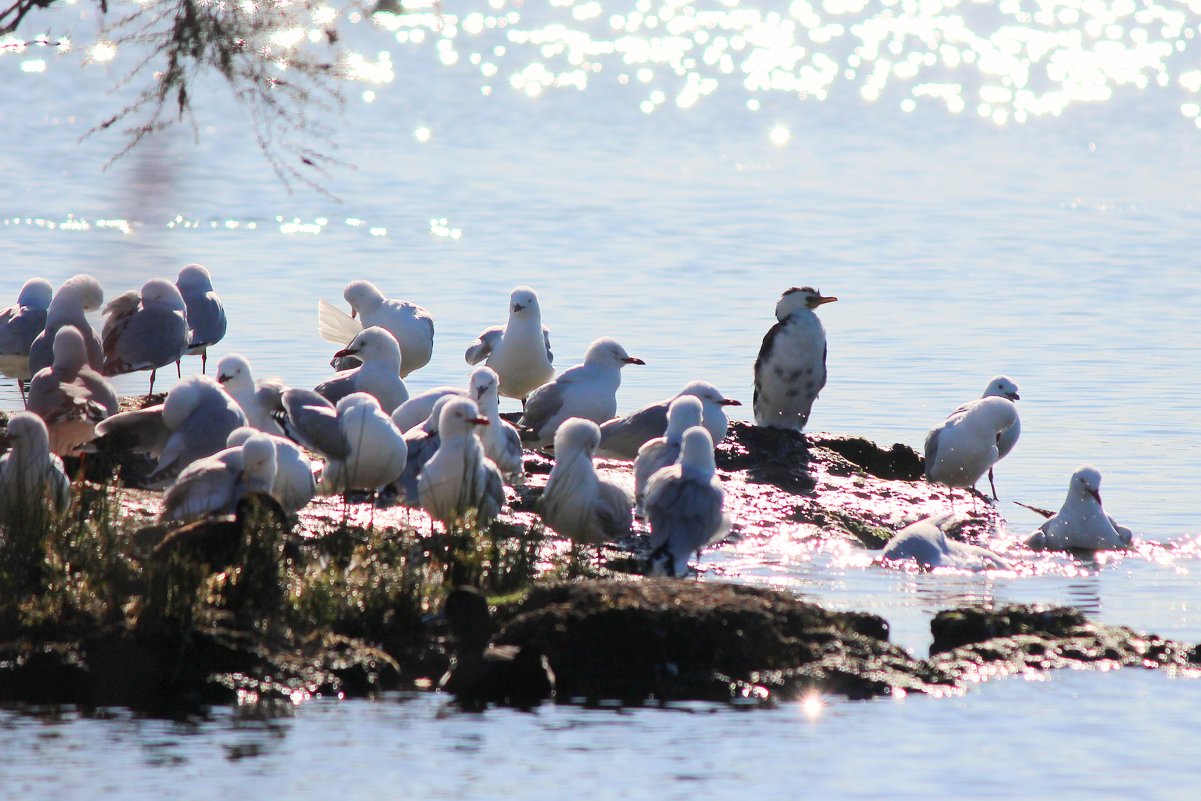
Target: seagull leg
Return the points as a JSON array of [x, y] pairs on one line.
[[204, 361], [21, 386], [152, 372], [992, 484], [178, 369]]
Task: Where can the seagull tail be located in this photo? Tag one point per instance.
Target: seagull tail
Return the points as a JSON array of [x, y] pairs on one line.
[[335, 325]]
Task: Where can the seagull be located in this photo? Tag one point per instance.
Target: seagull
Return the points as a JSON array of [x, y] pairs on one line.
[[257, 398], [519, 351], [459, 484], [925, 542], [791, 368], [20, 325], [193, 422], [588, 390], [416, 410], [963, 447], [410, 324], [683, 413], [145, 330], [1002, 387], [32, 480], [502, 443], [206, 315], [621, 437], [577, 503], [422, 443], [311, 421], [294, 485], [684, 506], [1081, 523], [377, 449], [70, 397], [215, 484], [78, 295], [379, 374]]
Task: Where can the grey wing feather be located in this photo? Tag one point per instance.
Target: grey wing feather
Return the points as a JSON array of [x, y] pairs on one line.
[[544, 403], [421, 448], [19, 328], [141, 431], [550, 357], [493, 498], [336, 388], [312, 421], [623, 436], [931, 449], [202, 434], [206, 319], [116, 317], [482, 347], [198, 492], [614, 511], [685, 514]]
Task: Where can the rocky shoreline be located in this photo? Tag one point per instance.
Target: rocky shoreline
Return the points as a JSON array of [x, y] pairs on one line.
[[261, 609]]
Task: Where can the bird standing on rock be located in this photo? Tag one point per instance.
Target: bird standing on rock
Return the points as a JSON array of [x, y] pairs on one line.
[[145, 330], [378, 375], [577, 503], [966, 445], [791, 368], [206, 315], [459, 482], [70, 396], [621, 437], [684, 506], [684, 413], [20, 325], [411, 325], [1003, 387], [519, 351], [32, 480], [77, 296]]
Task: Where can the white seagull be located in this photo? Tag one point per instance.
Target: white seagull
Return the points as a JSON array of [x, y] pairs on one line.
[[459, 484], [258, 399], [414, 412], [206, 315], [377, 449], [193, 422], [925, 542], [791, 368], [684, 412], [215, 484], [32, 480], [145, 330], [684, 506], [294, 484], [422, 443], [378, 375], [77, 296], [502, 443], [588, 391], [312, 421], [577, 503], [519, 351], [70, 397], [1081, 523], [1002, 387], [963, 447], [621, 437], [20, 325], [410, 324]]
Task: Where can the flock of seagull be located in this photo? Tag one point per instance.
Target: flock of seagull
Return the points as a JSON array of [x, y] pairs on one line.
[[446, 450]]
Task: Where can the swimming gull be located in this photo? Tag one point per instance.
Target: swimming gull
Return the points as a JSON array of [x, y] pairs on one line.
[[684, 506], [215, 484], [410, 324], [459, 485], [258, 399], [145, 330], [294, 484], [20, 325], [78, 295], [655, 454], [1081, 523], [193, 422], [69, 396], [518, 351], [422, 443], [588, 391], [377, 449], [577, 503], [964, 446], [791, 368], [621, 437], [32, 481], [206, 315], [925, 543], [378, 375]]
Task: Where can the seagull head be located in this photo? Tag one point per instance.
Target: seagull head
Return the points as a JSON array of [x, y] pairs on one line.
[[484, 384], [607, 350], [80, 290], [372, 344], [576, 436], [232, 368], [459, 415], [27, 434], [363, 297], [162, 293], [708, 394], [523, 299], [1086, 482], [1002, 386], [195, 276], [683, 413], [35, 294], [70, 352], [800, 297], [696, 451]]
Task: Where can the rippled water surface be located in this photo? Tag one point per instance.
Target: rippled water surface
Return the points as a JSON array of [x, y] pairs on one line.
[[987, 187]]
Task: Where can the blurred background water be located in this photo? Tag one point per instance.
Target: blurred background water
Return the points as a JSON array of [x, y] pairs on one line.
[[988, 187]]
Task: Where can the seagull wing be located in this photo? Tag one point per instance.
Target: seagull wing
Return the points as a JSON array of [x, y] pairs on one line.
[[621, 437], [335, 325], [483, 345]]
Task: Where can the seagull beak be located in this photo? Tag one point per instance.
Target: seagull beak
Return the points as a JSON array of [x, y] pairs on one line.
[[354, 313], [633, 360], [345, 352], [517, 307], [479, 421], [729, 402], [221, 379], [1096, 494], [819, 301], [1014, 396]]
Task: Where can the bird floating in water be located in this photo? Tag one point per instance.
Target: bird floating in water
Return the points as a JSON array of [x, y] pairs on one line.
[[1081, 523], [791, 368], [926, 544]]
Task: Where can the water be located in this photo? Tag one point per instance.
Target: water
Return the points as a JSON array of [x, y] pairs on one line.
[[1049, 234]]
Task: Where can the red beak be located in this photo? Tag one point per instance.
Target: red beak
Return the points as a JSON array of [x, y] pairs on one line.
[[479, 421], [354, 313], [345, 352], [729, 402], [634, 360]]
